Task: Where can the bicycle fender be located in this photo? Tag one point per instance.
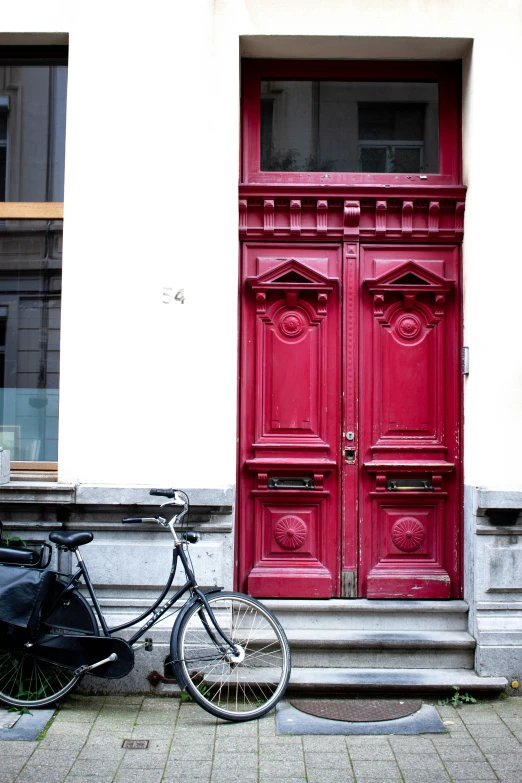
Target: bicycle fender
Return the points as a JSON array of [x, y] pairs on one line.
[[176, 667]]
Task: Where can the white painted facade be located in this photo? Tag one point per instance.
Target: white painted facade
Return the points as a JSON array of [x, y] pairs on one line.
[[148, 390], [152, 157]]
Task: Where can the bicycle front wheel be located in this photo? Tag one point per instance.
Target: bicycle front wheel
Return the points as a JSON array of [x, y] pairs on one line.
[[237, 684]]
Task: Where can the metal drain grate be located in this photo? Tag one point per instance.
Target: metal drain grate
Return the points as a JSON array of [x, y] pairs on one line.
[[130, 744], [357, 710]]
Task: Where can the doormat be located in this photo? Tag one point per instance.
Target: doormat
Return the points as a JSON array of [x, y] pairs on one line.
[[290, 720], [358, 710]]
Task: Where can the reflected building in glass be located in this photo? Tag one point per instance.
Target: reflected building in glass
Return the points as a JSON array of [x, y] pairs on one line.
[[32, 153]]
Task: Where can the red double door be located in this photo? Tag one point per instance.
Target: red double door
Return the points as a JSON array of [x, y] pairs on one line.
[[349, 464]]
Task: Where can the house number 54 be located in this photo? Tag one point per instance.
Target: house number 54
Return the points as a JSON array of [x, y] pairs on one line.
[[169, 297]]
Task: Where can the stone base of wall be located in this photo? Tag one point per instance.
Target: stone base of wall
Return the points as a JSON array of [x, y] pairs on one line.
[[128, 564], [494, 579]]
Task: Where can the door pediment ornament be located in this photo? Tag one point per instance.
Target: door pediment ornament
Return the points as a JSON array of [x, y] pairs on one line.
[[409, 279], [291, 277]]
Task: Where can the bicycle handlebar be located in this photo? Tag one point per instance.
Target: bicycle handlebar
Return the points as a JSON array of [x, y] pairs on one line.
[[166, 493]]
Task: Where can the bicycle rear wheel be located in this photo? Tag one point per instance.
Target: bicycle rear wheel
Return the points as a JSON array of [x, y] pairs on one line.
[[26, 681], [235, 685]]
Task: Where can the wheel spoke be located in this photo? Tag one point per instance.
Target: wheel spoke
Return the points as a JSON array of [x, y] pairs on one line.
[[247, 683]]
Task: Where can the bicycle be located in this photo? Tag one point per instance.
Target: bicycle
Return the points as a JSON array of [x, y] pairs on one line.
[[227, 650]]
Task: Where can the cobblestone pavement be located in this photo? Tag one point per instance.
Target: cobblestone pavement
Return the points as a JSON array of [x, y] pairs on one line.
[[84, 745]]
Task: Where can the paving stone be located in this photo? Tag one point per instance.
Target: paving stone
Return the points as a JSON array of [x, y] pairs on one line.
[[184, 778], [138, 775], [284, 739], [329, 760], [7, 778], [43, 775], [372, 753], [204, 752], [57, 743], [94, 752], [153, 719], [275, 769], [88, 779], [164, 705], [188, 768], [16, 748], [246, 777], [118, 727], [237, 729], [95, 767], [329, 776], [385, 770], [13, 765], [238, 745], [42, 756], [509, 746], [460, 753], [69, 730], [414, 745], [142, 759], [469, 770], [282, 755], [324, 744], [418, 776], [427, 763], [236, 759], [74, 716], [160, 731], [505, 761]]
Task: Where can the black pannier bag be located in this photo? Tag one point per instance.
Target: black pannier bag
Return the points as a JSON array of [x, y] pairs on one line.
[[22, 593]]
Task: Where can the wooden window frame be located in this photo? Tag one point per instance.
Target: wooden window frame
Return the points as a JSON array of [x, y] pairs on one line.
[[33, 210], [446, 74]]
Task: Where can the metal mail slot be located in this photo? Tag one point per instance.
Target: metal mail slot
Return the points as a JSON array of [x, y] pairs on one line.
[[409, 485], [290, 482]]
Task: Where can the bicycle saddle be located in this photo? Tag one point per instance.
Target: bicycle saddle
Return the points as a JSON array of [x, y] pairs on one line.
[[70, 540]]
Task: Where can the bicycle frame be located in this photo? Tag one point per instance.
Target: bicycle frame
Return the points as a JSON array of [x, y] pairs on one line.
[[155, 610]]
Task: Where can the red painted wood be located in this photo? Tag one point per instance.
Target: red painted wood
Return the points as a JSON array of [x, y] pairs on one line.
[[409, 421], [393, 214], [290, 413], [446, 74], [351, 321]]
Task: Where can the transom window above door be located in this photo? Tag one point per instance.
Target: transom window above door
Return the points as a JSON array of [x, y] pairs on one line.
[[341, 122]]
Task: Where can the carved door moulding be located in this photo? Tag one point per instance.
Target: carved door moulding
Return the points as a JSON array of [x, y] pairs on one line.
[[431, 214]]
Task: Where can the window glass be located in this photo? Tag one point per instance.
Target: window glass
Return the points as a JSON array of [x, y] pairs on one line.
[[30, 292], [349, 126], [32, 132]]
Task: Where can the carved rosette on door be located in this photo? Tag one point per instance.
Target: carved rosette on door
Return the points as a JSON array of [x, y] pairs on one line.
[[290, 409], [409, 423]]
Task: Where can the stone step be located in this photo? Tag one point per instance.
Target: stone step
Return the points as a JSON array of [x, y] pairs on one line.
[[391, 640], [374, 615], [383, 649], [398, 681]]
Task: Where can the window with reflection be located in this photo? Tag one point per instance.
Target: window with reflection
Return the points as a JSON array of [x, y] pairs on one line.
[[30, 299], [349, 126], [32, 156]]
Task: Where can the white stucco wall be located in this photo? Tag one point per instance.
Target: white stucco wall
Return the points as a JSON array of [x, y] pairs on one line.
[[148, 391]]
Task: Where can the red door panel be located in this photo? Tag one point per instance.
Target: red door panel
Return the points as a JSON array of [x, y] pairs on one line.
[[289, 420], [409, 421]]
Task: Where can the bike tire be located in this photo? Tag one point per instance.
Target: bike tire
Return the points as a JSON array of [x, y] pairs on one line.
[[28, 682], [236, 688]]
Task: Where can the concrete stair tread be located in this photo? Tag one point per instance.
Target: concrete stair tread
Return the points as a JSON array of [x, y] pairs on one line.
[[316, 638], [358, 605], [435, 680]]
